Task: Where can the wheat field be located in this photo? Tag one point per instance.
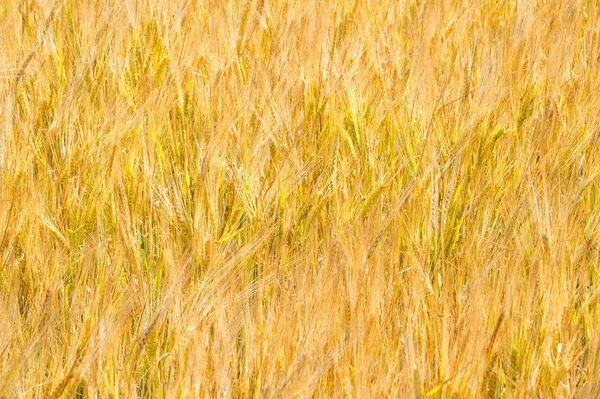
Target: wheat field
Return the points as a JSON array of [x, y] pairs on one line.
[[298, 199]]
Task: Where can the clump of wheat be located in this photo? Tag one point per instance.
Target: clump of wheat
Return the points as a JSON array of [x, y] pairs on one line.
[[265, 198]]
